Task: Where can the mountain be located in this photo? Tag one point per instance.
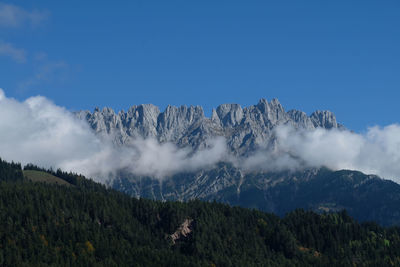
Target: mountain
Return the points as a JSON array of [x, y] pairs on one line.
[[82, 223], [245, 129], [366, 197]]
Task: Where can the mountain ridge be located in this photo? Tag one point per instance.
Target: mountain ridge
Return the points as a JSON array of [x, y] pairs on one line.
[[245, 129]]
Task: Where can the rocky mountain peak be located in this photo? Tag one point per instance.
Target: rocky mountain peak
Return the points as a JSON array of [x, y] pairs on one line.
[[244, 128], [301, 119], [324, 119], [263, 105], [230, 114]]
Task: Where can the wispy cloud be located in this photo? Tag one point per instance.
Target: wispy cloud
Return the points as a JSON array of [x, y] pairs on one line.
[[43, 69], [47, 72], [8, 50], [12, 16]]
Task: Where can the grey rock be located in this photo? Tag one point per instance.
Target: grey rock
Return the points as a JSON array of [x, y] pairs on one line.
[[230, 115], [301, 119], [245, 129], [324, 119]]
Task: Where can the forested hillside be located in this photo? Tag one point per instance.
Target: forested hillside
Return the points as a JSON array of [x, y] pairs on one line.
[[87, 224]]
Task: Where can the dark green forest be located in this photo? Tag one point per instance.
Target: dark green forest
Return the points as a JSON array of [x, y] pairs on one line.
[[90, 225]]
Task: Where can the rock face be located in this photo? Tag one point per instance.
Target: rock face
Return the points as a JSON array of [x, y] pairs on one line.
[[245, 129], [325, 119], [365, 197], [183, 231]]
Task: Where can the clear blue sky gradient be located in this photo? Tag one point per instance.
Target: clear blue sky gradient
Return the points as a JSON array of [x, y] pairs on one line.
[[343, 56]]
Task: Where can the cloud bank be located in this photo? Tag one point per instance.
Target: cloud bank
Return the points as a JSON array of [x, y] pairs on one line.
[[40, 132], [375, 152]]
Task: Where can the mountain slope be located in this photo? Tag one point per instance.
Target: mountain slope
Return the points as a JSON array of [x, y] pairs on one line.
[[366, 197]]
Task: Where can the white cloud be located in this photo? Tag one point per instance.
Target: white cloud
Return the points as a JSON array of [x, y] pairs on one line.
[[13, 16], [160, 160], [375, 152], [7, 49], [37, 131]]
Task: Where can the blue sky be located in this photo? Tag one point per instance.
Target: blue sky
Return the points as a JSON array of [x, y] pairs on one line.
[[338, 55]]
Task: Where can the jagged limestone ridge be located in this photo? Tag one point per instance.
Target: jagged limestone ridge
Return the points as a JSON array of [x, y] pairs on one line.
[[245, 129]]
